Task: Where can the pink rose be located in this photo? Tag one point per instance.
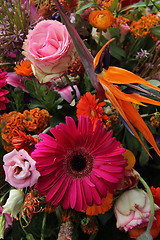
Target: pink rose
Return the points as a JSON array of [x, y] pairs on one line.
[[132, 209], [50, 49], [20, 169]]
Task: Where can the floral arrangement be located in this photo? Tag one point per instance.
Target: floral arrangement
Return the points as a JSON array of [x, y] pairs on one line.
[[80, 119]]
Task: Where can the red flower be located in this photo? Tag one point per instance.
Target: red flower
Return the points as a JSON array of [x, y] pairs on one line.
[[126, 3]]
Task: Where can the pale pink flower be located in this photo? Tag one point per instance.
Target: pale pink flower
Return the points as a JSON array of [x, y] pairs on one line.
[[50, 49], [19, 167], [77, 165], [133, 209]]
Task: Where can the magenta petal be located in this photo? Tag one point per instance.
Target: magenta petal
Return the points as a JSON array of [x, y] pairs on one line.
[[88, 193], [78, 205], [77, 165], [73, 197]]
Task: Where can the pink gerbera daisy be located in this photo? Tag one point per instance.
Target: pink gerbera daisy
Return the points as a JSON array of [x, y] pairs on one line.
[[3, 92], [78, 166]]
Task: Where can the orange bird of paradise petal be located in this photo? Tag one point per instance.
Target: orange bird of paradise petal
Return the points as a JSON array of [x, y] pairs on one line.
[[111, 77]]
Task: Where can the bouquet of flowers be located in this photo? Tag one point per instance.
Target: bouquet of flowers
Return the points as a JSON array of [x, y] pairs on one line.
[[79, 119]]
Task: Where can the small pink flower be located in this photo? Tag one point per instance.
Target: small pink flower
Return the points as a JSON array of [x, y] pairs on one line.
[[66, 93], [15, 80], [124, 28], [3, 92], [133, 209], [50, 49], [20, 169], [8, 221]]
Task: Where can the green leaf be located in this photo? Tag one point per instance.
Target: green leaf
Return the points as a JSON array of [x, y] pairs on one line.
[[113, 6], [146, 2], [144, 157], [43, 96], [114, 31], [117, 52], [156, 31], [86, 6], [104, 218]]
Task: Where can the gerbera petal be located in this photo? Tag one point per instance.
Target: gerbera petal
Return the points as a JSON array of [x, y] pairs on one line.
[[73, 197], [73, 176]]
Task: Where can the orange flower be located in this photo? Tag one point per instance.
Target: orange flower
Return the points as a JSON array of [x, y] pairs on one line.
[[111, 77], [31, 204], [101, 19], [24, 68], [23, 141], [101, 209], [88, 106], [155, 229], [10, 124], [36, 120], [105, 4], [142, 27]]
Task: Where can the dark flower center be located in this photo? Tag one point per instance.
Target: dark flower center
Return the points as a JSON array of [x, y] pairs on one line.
[[78, 162]]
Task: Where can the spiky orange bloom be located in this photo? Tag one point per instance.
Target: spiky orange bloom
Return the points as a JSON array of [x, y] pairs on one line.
[[10, 123], [36, 120], [88, 106], [142, 27], [24, 68], [111, 77], [23, 141], [101, 19], [155, 229], [31, 204], [101, 209]]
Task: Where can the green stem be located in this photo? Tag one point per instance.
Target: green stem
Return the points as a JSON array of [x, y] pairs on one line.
[[43, 225], [151, 202], [99, 41], [70, 84], [47, 130], [155, 5]]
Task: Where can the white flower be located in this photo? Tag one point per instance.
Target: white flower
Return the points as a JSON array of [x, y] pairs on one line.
[[14, 202]]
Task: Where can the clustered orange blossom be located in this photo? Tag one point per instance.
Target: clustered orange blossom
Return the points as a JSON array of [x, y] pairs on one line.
[[121, 20], [142, 27], [105, 4]]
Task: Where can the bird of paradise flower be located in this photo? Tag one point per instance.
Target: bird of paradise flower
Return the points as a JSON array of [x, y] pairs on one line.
[[111, 78]]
